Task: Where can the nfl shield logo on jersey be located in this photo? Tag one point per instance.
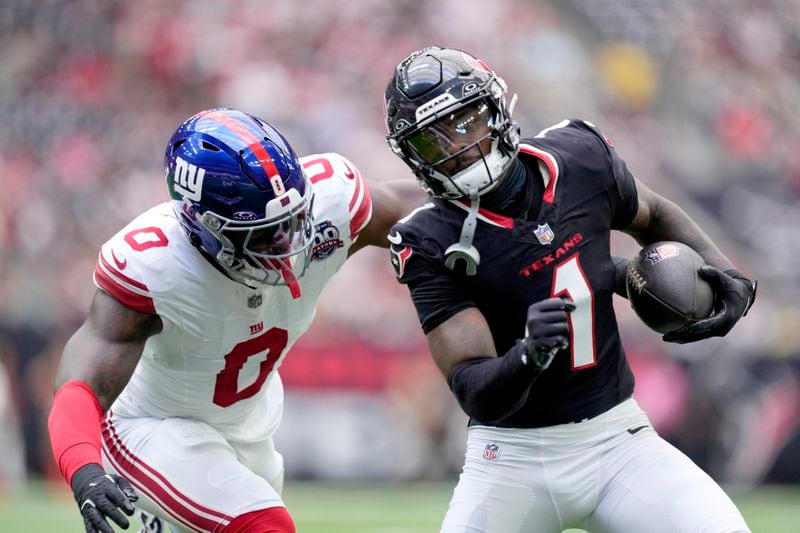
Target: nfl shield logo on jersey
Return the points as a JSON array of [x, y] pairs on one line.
[[254, 301], [544, 233], [491, 451]]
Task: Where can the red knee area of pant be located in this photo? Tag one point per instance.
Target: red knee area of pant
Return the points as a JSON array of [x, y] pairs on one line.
[[272, 520]]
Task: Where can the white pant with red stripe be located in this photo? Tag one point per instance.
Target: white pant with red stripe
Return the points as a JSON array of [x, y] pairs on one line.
[[612, 473], [187, 474]]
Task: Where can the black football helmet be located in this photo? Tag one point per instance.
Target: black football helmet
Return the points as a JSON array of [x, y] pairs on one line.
[[448, 119]]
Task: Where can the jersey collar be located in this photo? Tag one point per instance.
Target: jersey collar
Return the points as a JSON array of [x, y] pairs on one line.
[[551, 176], [549, 171], [485, 215]]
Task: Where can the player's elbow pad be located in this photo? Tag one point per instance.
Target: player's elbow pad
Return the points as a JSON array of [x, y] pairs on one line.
[[490, 389]]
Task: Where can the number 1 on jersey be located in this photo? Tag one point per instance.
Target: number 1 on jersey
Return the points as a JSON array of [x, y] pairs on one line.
[[569, 280]]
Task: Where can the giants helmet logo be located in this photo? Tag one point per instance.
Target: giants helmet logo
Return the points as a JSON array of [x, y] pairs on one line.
[[188, 179]]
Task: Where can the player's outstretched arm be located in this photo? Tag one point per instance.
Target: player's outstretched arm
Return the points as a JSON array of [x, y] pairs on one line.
[[96, 365], [490, 388], [659, 219], [391, 201]]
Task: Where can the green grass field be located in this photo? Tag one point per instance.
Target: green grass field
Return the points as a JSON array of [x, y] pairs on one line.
[[360, 508]]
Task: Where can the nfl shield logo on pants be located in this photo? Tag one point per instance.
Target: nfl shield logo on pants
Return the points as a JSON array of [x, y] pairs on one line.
[[491, 451], [544, 233]]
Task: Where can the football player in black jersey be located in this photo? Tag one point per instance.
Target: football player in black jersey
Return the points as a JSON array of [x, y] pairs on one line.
[[510, 270]]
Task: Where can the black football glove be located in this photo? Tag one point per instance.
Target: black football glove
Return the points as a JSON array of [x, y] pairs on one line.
[[734, 294], [100, 495], [547, 330], [620, 275]]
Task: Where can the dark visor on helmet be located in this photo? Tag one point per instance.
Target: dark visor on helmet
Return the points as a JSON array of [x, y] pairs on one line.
[[456, 140], [452, 133]]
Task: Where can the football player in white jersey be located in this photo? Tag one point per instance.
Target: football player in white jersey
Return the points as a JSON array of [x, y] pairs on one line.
[[171, 384]]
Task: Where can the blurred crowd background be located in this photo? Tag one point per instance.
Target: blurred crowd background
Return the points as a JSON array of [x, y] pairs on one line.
[[702, 99]]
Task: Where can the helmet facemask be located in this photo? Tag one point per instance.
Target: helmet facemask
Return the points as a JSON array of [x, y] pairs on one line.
[[272, 251]]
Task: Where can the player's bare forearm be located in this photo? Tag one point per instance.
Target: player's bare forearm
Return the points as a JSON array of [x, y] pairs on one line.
[[106, 348], [391, 201], [464, 336], [659, 219]]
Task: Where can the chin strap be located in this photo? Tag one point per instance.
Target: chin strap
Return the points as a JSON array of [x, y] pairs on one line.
[[291, 281], [463, 249]]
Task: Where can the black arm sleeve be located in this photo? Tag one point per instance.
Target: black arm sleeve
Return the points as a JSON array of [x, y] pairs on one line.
[[490, 389]]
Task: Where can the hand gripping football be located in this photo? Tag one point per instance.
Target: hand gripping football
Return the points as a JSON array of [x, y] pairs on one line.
[[665, 288]]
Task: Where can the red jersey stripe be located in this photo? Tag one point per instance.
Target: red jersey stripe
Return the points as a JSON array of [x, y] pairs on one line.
[[357, 191], [362, 215], [552, 165], [128, 298], [488, 216], [130, 281]]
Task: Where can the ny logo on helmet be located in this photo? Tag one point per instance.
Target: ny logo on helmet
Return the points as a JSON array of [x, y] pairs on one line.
[[188, 179]]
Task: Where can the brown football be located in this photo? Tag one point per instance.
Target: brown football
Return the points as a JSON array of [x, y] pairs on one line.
[[665, 288]]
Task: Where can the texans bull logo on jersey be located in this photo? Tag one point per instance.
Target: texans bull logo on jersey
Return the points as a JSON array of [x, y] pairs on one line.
[[326, 241], [400, 258]]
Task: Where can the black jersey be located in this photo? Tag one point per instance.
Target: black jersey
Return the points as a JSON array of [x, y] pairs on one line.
[[561, 250]]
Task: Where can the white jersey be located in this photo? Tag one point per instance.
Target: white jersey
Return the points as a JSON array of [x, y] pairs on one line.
[[216, 358]]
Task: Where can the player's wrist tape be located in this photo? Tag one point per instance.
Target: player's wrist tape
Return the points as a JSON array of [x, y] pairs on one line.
[[74, 426], [490, 389]]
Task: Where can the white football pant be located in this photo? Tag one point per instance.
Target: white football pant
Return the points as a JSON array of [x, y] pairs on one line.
[[612, 473], [188, 475]]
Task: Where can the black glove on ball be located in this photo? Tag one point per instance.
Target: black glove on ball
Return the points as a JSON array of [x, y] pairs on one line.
[[734, 294]]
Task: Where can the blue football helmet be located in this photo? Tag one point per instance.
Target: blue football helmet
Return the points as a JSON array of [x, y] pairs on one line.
[[242, 197]]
